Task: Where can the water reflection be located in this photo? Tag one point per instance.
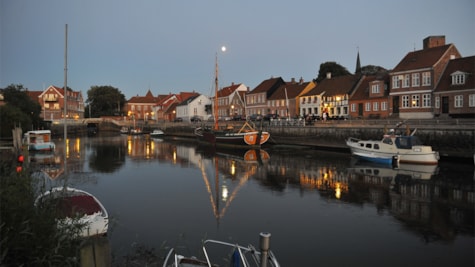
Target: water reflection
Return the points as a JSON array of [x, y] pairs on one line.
[[432, 203]]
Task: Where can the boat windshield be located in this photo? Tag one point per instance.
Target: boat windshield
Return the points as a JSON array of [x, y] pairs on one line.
[[407, 142]]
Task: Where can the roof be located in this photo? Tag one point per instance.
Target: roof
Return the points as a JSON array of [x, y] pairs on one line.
[[336, 85], [147, 99], [361, 91], [424, 58], [464, 65], [228, 90], [268, 86], [292, 90]]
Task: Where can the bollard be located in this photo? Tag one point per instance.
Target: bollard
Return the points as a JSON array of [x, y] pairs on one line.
[[264, 242]]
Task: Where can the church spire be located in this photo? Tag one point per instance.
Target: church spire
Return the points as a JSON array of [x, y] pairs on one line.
[[358, 64]]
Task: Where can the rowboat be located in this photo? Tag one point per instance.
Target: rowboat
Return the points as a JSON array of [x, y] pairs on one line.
[[407, 148], [39, 140], [245, 256], [77, 207]]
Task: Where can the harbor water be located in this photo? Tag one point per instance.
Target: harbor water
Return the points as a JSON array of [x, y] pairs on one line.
[[322, 208]]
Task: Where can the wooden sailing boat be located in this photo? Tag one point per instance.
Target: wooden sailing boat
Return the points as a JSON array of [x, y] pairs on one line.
[[246, 136]]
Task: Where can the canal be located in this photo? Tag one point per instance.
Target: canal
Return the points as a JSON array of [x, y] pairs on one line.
[[322, 208]]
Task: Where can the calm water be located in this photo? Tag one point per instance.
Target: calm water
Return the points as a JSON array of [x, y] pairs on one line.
[[322, 208]]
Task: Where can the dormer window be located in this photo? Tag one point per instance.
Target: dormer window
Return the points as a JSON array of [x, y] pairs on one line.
[[458, 78]]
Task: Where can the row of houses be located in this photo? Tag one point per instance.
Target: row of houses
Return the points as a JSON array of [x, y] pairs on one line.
[[432, 82]]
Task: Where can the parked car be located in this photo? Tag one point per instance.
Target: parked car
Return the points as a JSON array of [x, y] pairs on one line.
[[239, 118], [268, 117], [178, 120], [255, 117], [195, 119]]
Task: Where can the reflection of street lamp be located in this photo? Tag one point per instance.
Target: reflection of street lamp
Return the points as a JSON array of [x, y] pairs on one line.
[[232, 109]]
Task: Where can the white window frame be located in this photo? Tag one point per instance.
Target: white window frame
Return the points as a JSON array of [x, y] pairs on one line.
[[384, 105], [416, 80], [375, 106], [375, 88], [426, 78], [405, 101], [471, 100], [406, 81], [368, 106], [396, 81], [426, 100], [353, 107], [458, 101], [458, 79], [437, 102]]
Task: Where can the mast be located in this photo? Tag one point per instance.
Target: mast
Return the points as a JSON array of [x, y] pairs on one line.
[[65, 81], [216, 93]]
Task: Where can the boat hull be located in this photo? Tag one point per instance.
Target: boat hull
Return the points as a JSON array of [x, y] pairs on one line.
[[251, 139], [418, 154], [371, 157]]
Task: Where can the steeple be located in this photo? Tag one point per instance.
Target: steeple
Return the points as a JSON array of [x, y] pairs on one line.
[[358, 64]]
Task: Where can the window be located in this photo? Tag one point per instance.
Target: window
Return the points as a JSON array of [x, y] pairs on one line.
[[458, 78], [353, 107], [437, 102], [375, 106], [405, 101], [416, 80], [415, 101], [396, 81], [458, 101], [406, 81], [384, 105], [426, 100], [375, 89], [471, 100], [426, 78], [368, 106]]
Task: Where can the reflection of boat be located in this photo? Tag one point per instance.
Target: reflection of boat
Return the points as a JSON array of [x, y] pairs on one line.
[[247, 136], [77, 206], [47, 164], [413, 171], [408, 148], [39, 140], [239, 256], [124, 130], [157, 133]]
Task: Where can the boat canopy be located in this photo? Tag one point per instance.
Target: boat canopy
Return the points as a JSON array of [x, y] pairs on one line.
[[407, 142]]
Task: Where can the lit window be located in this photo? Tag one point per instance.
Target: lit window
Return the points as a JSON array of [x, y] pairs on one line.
[[415, 101]]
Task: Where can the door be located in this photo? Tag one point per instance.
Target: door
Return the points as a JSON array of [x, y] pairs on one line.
[[445, 105], [395, 104], [360, 110]]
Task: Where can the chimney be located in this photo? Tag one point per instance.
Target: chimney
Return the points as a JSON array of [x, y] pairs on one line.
[[433, 41], [292, 80], [301, 80], [329, 75]]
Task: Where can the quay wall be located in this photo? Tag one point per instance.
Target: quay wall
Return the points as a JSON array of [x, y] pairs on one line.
[[452, 138]]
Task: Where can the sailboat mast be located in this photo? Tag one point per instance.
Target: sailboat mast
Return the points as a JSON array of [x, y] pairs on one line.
[[216, 93]]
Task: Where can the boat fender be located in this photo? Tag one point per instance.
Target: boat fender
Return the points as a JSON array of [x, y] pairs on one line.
[[236, 259]]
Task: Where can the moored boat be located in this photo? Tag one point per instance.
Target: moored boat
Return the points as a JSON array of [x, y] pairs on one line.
[[240, 255], [377, 158], [247, 136], [157, 133], [39, 140], [407, 148], [78, 206]]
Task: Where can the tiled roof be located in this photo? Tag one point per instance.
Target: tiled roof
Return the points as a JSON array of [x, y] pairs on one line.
[[424, 58], [268, 85], [337, 86], [228, 90], [466, 65], [361, 92], [293, 90], [147, 99]]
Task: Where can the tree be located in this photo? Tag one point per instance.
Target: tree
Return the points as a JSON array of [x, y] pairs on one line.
[[104, 101], [330, 67], [20, 110], [372, 70]]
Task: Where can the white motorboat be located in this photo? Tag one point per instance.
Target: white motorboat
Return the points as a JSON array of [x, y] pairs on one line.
[[157, 133], [245, 256], [407, 149], [78, 206], [39, 140]]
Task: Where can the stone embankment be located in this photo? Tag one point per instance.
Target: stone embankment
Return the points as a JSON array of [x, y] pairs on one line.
[[453, 138]]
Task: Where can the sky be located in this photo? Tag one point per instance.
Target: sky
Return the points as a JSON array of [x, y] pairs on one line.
[[170, 46]]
